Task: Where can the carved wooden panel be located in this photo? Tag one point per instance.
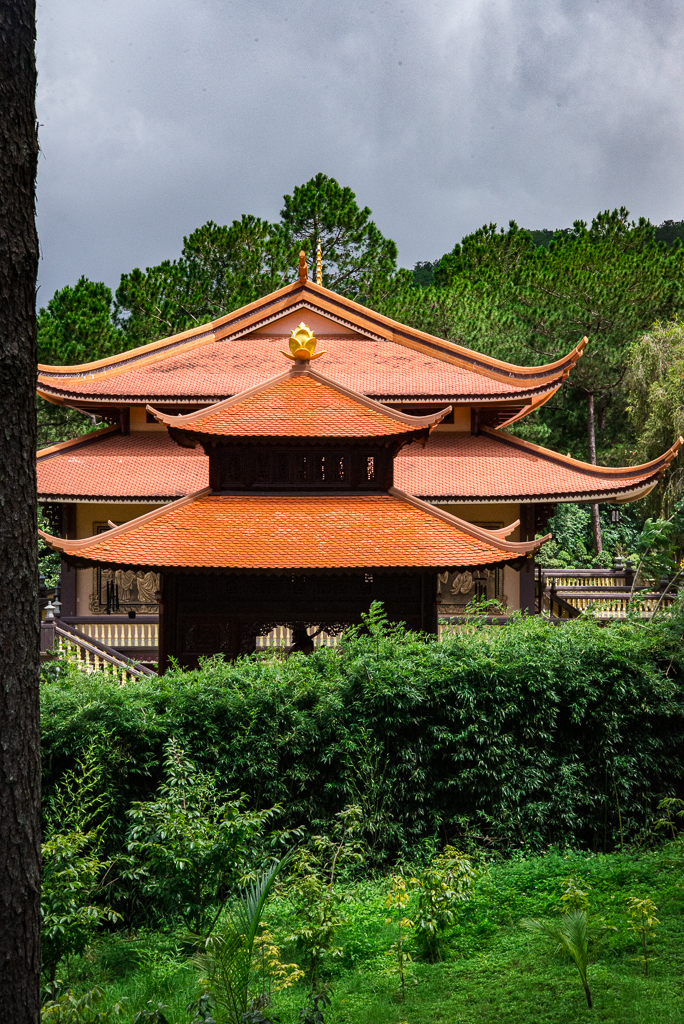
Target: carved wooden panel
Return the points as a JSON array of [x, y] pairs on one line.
[[293, 468]]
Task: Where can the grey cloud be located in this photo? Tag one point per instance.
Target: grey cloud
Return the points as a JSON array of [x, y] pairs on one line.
[[441, 115]]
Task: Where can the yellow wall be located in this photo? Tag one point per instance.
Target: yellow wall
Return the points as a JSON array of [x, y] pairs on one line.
[[498, 514], [461, 422], [139, 422], [318, 324], [86, 515]]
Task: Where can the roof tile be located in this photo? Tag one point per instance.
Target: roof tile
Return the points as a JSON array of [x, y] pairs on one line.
[[380, 369], [147, 466], [486, 467], [281, 533], [299, 403]]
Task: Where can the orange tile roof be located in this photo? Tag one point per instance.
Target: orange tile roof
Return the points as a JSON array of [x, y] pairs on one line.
[[453, 467], [108, 465], [494, 466], [380, 369], [390, 360], [299, 403], [273, 533]]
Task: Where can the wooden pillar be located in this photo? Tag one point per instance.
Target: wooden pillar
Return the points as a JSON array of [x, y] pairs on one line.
[[67, 589], [167, 620], [429, 609], [528, 595], [68, 575]]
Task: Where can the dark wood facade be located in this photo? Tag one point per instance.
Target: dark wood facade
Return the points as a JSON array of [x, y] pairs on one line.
[[211, 613], [284, 468]]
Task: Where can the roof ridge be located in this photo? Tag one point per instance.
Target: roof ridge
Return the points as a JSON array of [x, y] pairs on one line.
[[192, 333], [451, 347]]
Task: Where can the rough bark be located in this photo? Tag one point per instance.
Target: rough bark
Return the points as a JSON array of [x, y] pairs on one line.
[[19, 634], [591, 430]]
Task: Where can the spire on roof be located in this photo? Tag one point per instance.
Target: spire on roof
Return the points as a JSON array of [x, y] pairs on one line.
[[303, 345], [319, 265], [303, 269]]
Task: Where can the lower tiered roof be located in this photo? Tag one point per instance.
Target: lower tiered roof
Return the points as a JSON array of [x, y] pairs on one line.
[[276, 534], [495, 466], [110, 466]]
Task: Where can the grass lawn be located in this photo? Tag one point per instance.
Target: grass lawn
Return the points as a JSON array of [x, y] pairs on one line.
[[495, 970]]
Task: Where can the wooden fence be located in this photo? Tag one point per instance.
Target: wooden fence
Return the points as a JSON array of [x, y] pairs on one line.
[[605, 593]]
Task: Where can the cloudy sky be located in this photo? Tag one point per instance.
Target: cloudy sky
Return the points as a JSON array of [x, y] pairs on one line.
[[157, 115]]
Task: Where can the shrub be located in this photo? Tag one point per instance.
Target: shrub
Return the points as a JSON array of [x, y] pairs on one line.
[[512, 737]]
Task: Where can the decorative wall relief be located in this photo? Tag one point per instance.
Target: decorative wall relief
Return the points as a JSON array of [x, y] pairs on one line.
[[457, 589], [136, 589]]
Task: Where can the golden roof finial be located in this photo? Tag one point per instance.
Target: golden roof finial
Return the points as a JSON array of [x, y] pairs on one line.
[[303, 269], [303, 345], [319, 265]]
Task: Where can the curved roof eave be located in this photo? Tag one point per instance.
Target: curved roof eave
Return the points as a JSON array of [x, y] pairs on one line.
[[662, 462], [328, 303], [494, 541]]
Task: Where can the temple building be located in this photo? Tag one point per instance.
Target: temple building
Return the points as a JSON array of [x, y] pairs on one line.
[[250, 495]]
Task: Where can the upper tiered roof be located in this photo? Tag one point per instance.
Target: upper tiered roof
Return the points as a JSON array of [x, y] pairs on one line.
[[298, 404], [366, 352]]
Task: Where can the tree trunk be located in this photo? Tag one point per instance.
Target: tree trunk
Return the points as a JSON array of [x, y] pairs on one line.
[[591, 430], [19, 631]]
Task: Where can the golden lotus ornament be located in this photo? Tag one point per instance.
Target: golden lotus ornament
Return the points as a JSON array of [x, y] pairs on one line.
[[303, 345]]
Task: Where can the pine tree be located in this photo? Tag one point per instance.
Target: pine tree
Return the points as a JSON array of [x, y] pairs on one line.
[[19, 659]]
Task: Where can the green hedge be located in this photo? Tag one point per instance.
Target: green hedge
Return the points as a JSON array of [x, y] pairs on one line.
[[516, 736]]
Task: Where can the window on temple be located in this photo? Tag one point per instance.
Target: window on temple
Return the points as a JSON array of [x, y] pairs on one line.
[[306, 468], [281, 468]]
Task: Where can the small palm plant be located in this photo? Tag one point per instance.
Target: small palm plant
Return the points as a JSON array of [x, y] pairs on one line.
[[572, 935], [228, 956]]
